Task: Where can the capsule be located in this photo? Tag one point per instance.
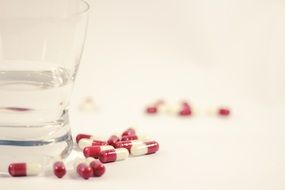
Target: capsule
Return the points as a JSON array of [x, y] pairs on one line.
[[113, 140], [94, 151], [151, 109], [224, 112], [145, 148], [185, 112], [113, 155], [129, 137], [89, 142], [83, 169], [128, 144], [128, 132], [97, 167], [173, 109], [59, 169], [24, 169]]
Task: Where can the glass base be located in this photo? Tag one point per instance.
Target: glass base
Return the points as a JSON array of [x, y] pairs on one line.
[[40, 143]]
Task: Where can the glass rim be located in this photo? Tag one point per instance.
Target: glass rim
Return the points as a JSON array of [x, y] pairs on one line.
[[82, 10]]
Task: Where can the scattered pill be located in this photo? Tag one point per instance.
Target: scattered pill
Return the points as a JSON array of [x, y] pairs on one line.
[[24, 169], [128, 144], [151, 110], [59, 169], [113, 140], [224, 111], [113, 155], [83, 169], [145, 148], [97, 167], [90, 142], [185, 112], [94, 151]]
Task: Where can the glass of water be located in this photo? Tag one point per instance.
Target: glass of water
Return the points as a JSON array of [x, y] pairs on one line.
[[41, 43]]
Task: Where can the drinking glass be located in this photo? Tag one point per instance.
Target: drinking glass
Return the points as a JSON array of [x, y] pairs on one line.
[[41, 43]]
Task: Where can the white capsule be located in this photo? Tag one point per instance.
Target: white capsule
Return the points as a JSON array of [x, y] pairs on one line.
[[163, 108], [211, 111], [149, 147], [34, 169], [173, 109], [84, 143], [137, 150], [122, 153]]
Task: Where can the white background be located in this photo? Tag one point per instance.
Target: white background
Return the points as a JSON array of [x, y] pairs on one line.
[[210, 52]]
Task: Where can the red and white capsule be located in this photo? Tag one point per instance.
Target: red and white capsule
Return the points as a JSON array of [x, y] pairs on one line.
[[24, 169], [113, 155], [128, 144], [59, 169], [94, 151], [145, 148], [97, 167], [83, 169], [90, 142]]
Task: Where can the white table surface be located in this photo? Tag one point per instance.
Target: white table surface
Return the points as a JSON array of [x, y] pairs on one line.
[[211, 53]]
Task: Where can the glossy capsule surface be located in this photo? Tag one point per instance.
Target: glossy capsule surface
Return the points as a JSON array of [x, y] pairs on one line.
[[97, 167], [94, 151], [83, 169], [59, 169], [224, 112], [113, 155]]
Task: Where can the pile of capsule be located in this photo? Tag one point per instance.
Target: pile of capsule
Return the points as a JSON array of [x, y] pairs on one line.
[[183, 109], [116, 148], [96, 152]]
